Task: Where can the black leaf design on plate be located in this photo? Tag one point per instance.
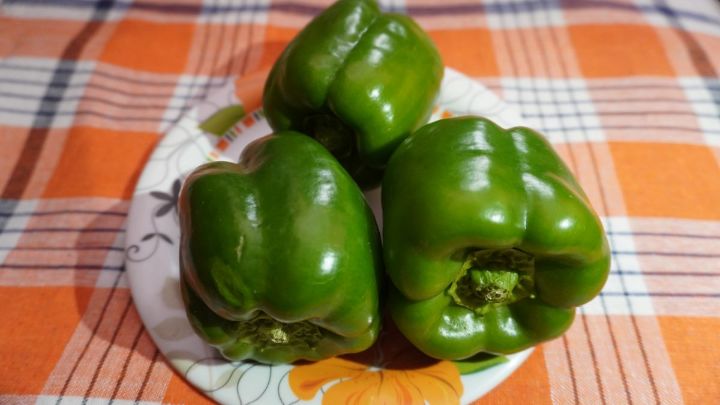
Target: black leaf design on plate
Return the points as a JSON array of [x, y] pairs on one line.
[[161, 196], [157, 235], [165, 238], [171, 199], [176, 189], [164, 209]]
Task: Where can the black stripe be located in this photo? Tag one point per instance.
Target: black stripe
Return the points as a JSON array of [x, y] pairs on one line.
[[237, 29], [663, 273], [126, 363], [568, 87], [636, 113], [424, 10], [529, 6], [592, 85], [82, 230], [147, 376], [615, 101], [593, 358], [51, 248], [187, 99], [95, 72], [111, 343], [215, 56], [215, 82], [62, 212], [712, 88], [633, 318], [615, 252], [636, 127], [119, 249], [522, 99], [92, 336], [541, 116], [249, 47], [510, 53], [702, 64], [199, 63], [571, 367], [665, 234], [614, 344], [8, 206], [46, 266], [573, 164], [628, 294], [668, 254], [51, 114], [26, 164], [698, 56], [127, 105]]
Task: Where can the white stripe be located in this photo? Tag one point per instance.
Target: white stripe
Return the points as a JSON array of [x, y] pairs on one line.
[[10, 240], [75, 400], [57, 12]]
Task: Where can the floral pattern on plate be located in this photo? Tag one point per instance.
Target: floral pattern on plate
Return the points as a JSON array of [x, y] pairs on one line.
[[391, 371]]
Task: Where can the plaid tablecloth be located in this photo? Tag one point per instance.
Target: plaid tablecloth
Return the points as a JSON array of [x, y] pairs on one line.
[[628, 91]]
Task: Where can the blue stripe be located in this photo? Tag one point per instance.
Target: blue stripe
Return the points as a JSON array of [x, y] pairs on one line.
[[42, 113], [52, 113], [94, 99], [445, 9], [681, 101], [50, 230], [5, 212], [664, 273], [7, 206], [18, 266], [698, 54], [95, 72], [591, 86], [611, 113], [659, 294], [665, 234], [62, 248], [631, 127], [668, 254], [213, 82]]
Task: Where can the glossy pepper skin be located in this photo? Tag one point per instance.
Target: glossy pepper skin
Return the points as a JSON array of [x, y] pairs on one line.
[[488, 239], [280, 257], [359, 81]]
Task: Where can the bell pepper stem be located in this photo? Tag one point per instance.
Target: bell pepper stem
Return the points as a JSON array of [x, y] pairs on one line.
[[493, 277], [264, 331]]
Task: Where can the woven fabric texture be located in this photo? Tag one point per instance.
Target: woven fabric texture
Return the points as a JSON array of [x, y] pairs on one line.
[[627, 90]]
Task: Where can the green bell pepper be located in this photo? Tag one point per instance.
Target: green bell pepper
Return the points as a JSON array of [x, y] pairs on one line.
[[280, 257], [488, 239], [357, 80]]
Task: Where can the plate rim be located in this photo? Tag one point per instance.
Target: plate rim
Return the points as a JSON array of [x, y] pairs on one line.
[[494, 375]]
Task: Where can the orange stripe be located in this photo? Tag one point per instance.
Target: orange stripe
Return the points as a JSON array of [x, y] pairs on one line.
[[692, 346], [43, 319], [249, 89], [619, 50], [100, 162], [531, 378], [180, 391], [668, 180], [165, 46], [469, 50]]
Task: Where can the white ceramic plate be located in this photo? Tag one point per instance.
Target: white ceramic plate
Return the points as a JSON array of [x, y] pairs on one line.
[[152, 266]]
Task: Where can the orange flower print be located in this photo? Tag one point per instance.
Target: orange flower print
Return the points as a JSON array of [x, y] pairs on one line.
[[390, 372]]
